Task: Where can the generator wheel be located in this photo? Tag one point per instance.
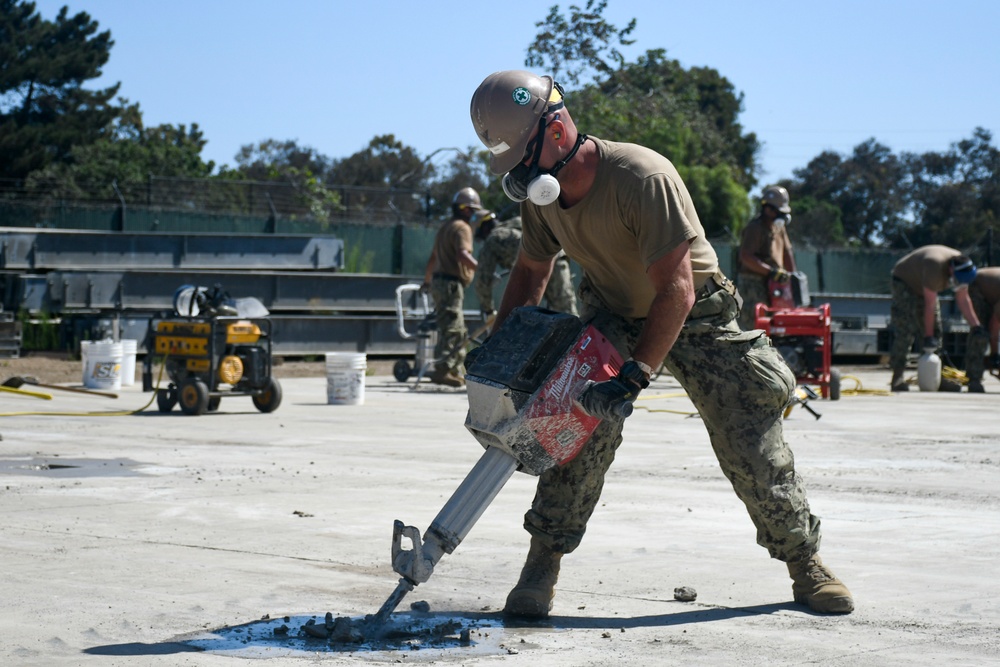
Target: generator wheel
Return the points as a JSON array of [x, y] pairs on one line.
[[401, 370], [166, 399], [213, 403], [193, 395], [834, 384], [269, 399]]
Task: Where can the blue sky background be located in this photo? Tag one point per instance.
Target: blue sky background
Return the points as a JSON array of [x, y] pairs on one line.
[[331, 74]]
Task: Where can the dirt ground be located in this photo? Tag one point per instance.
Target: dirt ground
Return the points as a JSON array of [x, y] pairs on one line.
[[49, 368]]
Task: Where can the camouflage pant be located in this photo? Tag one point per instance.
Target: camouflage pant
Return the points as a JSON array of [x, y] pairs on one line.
[[906, 321], [449, 295], [559, 293], [740, 385], [977, 344], [753, 289]]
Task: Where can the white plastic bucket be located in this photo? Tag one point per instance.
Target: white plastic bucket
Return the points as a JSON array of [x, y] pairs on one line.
[[102, 364], [345, 378], [129, 347]]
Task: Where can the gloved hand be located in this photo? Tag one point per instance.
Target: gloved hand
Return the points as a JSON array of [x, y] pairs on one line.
[[425, 288], [995, 362], [931, 344], [613, 398], [778, 274], [980, 331], [487, 314]]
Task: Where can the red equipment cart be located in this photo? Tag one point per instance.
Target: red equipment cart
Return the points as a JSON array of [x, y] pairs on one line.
[[802, 336]]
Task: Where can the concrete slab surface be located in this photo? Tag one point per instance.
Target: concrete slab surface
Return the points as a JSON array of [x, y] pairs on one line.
[[164, 539]]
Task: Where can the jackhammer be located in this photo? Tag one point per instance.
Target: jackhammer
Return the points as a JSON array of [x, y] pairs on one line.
[[523, 387]]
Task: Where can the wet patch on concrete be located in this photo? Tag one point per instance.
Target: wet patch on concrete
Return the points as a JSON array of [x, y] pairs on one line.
[[421, 636], [70, 467]]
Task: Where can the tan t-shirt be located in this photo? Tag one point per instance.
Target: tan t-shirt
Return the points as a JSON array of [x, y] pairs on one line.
[[451, 238], [926, 267], [636, 211], [987, 281], [766, 242]]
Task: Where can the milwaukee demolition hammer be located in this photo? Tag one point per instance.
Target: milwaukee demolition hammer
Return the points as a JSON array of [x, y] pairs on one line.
[[523, 388]]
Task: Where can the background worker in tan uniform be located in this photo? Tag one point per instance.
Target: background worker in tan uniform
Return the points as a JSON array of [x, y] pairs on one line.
[[652, 285], [501, 242], [984, 293], [765, 252], [449, 271], [915, 314]]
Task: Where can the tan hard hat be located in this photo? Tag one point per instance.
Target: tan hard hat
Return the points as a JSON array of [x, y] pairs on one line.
[[505, 110], [467, 197], [776, 196]]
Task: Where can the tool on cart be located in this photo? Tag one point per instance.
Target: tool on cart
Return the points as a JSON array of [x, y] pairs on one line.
[[425, 335], [213, 347], [801, 334], [19, 381], [523, 387]]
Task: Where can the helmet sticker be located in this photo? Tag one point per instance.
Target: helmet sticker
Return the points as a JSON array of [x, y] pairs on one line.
[[521, 95]]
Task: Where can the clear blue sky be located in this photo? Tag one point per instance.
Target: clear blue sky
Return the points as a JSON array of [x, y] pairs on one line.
[[331, 74]]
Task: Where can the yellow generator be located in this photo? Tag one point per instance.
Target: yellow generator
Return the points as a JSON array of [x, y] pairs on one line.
[[207, 359]]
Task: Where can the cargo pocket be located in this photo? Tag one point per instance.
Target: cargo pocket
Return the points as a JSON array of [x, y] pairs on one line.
[[769, 375]]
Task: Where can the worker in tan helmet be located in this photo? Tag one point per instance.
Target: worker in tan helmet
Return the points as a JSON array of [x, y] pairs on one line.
[[651, 284], [449, 272], [765, 252]]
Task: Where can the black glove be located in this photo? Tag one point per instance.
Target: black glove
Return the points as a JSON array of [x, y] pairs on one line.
[[778, 274], [980, 331], [613, 398], [931, 344], [995, 362]]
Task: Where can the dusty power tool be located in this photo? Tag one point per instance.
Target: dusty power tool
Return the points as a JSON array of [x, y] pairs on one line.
[[523, 386]]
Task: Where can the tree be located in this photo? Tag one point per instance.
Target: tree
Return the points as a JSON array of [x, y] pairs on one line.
[[568, 47], [688, 115], [44, 110], [955, 195], [271, 160], [126, 154], [868, 188]]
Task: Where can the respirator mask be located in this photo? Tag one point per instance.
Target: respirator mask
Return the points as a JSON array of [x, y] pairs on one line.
[[530, 181], [783, 220]]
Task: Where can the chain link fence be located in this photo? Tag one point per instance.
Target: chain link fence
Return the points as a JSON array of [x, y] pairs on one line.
[[255, 199]]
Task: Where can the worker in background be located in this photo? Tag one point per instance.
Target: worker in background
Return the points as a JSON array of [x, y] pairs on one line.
[[765, 252], [653, 287], [915, 315], [501, 241], [449, 271], [984, 293]]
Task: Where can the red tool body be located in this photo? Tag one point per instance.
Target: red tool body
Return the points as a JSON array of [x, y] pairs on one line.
[[523, 388]]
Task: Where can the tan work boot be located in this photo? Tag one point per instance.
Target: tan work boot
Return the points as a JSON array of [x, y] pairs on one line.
[[447, 377], [532, 596], [814, 585]]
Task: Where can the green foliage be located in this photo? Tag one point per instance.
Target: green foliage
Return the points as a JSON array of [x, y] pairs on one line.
[[722, 205], [816, 223], [569, 46], [39, 333], [955, 195], [127, 154], [358, 260], [44, 111]]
